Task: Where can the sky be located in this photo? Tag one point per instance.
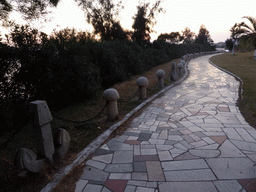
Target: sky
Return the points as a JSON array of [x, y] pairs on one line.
[[218, 16]]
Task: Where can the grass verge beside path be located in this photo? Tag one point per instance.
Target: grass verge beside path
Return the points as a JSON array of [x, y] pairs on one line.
[[244, 66], [81, 134]]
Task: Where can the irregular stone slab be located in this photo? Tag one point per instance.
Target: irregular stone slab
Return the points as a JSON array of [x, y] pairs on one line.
[[230, 185], [232, 134], [123, 157], [245, 135], [104, 158], [139, 167], [229, 150], [165, 156], [116, 185], [185, 156], [145, 158], [80, 185], [140, 176], [212, 146], [204, 153], [163, 147], [232, 168], [119, 168], [156, 141], [120, 176], [144, 136], [155, 172], [187, 186], [190, 175], [219, 139], [101, 151], [116, 146], [244, 145], [130, 188], [184, 165], [163, 134], [92, 188], [96, 164], [91, 173]]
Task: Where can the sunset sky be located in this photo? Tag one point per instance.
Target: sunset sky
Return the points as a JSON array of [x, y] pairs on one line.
[[218, 16]]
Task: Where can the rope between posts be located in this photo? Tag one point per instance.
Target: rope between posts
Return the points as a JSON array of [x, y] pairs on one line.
[[124, 101], [154, 86], [168, 75], [81, 121]]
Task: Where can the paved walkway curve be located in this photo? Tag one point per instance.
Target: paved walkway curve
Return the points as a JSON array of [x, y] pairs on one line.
[[192, 139]]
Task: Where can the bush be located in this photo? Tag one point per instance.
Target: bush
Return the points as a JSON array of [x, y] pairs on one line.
[[69, 67]]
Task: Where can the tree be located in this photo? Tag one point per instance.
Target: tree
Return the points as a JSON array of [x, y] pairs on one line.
[[144, 20], [236, 31], [30, 9], [229, 44], [103, 15], [203, 36], [187, 35], [250, 30], [173, 37]]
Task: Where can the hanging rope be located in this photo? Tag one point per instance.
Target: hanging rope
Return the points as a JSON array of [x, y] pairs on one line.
[[81, 121]]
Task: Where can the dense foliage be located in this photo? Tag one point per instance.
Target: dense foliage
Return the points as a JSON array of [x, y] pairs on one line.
[[70, 67]]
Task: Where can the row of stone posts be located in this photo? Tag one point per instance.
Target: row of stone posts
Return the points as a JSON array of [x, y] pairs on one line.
[[111, 95]]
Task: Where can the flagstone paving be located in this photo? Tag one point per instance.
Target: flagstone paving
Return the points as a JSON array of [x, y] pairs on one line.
[[193, 138]]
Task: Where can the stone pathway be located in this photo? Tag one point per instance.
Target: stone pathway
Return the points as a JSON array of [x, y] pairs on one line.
[[191, 139]]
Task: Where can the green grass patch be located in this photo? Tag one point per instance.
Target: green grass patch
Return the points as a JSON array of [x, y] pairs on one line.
[[244, 66]]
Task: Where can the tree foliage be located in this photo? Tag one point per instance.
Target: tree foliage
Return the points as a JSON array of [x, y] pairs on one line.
[[229, 44], [30, 9], [249, 29], [173, 37], [103, 15], [144, 20], [187, 35], [203, 36]]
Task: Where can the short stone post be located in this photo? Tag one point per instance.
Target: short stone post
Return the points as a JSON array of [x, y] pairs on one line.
[[111, 95], [41, 122], [180, 67], [142, 82], [160, 75], [173, 72]]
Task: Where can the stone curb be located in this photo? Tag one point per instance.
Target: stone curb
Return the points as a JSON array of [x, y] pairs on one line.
[[232, 74], [100, 139]]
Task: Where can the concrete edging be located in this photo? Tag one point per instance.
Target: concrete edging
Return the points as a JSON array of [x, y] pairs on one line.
[[232, 74], [100, 139]]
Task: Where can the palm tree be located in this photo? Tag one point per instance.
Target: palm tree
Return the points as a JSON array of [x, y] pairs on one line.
[[250, 30], [236, 31]]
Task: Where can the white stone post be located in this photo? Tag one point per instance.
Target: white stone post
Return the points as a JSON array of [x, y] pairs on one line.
[[160, 75], [41, 121], [173, 76], [142, 82], [111, 95]]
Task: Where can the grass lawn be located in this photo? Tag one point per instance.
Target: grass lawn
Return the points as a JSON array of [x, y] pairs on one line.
[[81, 134], [244, 66]]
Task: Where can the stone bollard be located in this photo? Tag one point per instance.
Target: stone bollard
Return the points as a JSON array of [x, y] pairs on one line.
[[142, 82], [173, 72], [180, 67], [41, 122], [111, 95], [160, 75]]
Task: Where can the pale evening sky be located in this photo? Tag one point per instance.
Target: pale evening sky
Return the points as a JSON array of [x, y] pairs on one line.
[[218, 16]]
